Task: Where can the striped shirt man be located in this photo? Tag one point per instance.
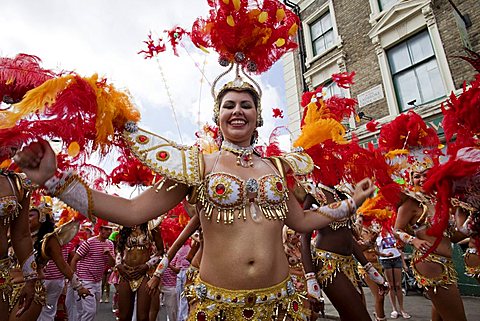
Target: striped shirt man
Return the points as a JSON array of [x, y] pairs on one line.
[[93, 260]]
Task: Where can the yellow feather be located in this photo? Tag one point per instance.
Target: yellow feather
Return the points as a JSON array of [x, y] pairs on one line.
[[35, 100]]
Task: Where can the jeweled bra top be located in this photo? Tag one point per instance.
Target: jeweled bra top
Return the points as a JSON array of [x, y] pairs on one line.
[[140, 241], [9, 204], [230, 195]]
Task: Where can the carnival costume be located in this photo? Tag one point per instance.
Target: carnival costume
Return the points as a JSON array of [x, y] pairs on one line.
[[471, 271], [330, 263], [9, 210], [214, 303], [142, 242]]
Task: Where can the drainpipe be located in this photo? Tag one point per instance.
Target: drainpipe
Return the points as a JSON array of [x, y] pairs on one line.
[[301, 44]]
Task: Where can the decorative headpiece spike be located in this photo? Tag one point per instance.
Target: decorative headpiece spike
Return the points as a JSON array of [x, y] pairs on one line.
[[237, 84]]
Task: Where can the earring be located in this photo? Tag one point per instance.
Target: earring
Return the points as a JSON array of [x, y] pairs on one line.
[[219, 139], [254, 139]]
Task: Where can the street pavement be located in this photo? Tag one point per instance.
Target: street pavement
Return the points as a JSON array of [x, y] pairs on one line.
[[415, 304]]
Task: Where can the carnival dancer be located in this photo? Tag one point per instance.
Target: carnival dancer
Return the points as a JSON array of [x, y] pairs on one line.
[[366, 240], [89, 262], [432, 265], [134, 260], [335, 267], [243, 200], [21, 293], [48, 244]]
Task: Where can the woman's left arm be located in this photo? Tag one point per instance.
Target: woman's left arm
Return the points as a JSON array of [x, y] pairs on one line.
[[305, 221]]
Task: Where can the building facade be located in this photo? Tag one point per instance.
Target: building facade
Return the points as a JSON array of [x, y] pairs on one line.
[[402, 51]]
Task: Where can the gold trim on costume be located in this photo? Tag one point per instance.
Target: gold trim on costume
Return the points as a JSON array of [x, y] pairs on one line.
[[214, 303], [446, 278], [331, 263], [38, 298], [5, 279], [471, 271]]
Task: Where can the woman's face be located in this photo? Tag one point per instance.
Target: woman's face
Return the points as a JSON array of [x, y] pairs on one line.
[[238, 117], [418, 178], [33, 220]]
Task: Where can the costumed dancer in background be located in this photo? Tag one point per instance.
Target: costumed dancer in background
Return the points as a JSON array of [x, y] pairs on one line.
[[134, 259], [432, 259], [366, 240], [48, 245], [243, 200], [17, 76], [457, 181], [323, 137]]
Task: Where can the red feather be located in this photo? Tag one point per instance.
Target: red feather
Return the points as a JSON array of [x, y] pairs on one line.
[[19, 75]]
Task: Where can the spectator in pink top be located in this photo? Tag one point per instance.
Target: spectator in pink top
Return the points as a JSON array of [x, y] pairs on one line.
[[90, 261]]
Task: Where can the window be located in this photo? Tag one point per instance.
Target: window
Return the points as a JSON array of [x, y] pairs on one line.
[[386, 4], [321, 31], [331, 89], [415, 71]]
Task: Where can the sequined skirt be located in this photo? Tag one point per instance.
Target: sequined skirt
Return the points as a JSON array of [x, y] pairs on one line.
[[279, 302], [447, 277]]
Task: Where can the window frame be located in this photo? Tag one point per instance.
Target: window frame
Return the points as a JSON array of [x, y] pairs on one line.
[[412, 66], [325, 8]]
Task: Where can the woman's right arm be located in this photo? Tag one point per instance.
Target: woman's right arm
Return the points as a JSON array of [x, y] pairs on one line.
[[405, 213], [38, 161]]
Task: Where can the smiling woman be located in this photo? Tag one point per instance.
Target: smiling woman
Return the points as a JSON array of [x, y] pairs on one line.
[[242, 199]]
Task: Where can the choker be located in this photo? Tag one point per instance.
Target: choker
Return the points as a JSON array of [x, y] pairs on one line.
[[244, 154]]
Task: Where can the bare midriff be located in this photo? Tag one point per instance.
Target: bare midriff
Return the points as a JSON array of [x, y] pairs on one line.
[[243, 255]]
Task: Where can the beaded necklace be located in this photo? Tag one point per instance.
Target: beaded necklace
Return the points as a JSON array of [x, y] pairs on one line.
[[244, 154]]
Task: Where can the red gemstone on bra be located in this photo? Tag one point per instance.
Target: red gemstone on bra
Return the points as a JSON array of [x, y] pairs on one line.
[[279, 186], [247, 313], [162, 155], [201, 316], [142, 138], [220, 189], [295, 306]]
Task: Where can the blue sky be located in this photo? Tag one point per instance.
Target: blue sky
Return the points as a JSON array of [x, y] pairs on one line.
[[104, 36]]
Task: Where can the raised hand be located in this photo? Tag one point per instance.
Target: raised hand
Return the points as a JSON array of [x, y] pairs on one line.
[[38, 161], [363, 190]]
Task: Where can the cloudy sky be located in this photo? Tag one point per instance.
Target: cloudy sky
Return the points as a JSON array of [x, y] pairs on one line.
[[104, 36]]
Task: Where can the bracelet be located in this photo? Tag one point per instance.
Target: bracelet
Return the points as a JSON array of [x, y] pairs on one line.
[[29, 268], [76, 283], [310, 275]]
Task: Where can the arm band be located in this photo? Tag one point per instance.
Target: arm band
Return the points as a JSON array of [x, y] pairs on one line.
[[72, 190], [29, 268], [338, 210], [153, 261], [405, 237]]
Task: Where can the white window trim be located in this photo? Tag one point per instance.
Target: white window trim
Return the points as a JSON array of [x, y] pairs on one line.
[[337, 40], [399, 23]]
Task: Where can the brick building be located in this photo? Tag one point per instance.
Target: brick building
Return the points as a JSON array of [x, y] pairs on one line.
[[403, 53]]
